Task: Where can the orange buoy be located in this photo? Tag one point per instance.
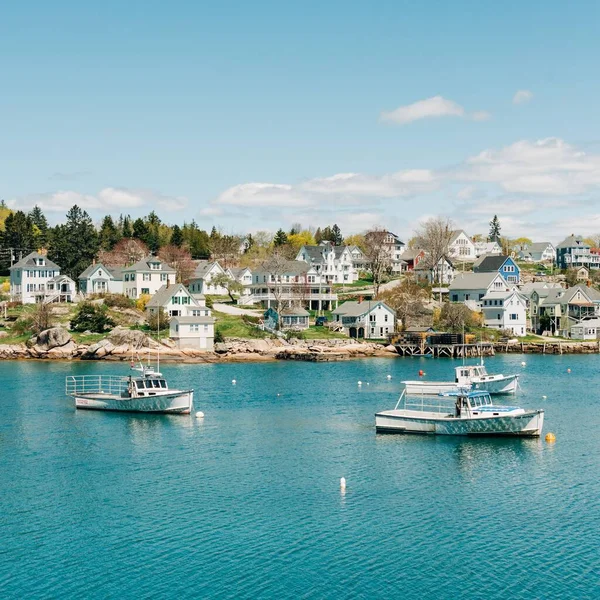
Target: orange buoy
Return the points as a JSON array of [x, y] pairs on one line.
[[421, 373], [550, 438]]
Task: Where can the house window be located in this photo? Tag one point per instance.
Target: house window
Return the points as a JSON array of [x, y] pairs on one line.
[[146, 277], [205, 328], [454, 297], [372, 318], [146, 291], [195, 328], [514, 317], [385, 318], [163, 276]]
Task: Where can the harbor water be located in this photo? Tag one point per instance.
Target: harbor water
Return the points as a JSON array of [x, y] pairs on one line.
[[246, 503]]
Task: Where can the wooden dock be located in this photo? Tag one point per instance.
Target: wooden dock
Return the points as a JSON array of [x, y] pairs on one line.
[[444, 350]]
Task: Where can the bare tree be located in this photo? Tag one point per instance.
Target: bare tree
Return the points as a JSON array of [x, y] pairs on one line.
[[231, 285], [408, 300], [434, 237], [180, 259], [126, 252], [276, 267], [378, 255], [226, 249]]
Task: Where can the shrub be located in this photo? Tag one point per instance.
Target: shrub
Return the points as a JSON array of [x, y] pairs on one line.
[[209, 301], [142, 301], [158, 320], [22, 325], [90, 317], [251, 319], [118, 301], [219, 336], [291, 334]]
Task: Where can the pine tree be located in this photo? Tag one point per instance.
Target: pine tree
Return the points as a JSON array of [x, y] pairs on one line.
[[280, 239], [318, 235], [177, 236], [337, 235], [327, 234], [140, 230], [126, 228], [19, 233], [74, 245], [40, 225], [494, 230], [109, 234]]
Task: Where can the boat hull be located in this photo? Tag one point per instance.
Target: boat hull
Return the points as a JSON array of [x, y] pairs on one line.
[[494, 385], [525, 424], [177, 402]]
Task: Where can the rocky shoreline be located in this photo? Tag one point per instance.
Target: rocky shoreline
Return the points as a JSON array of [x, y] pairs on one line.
[[124, 344]]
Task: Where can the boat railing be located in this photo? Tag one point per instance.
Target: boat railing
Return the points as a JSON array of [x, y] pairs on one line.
[[96, 384]]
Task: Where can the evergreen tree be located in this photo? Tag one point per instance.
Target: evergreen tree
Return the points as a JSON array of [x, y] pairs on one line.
[[140, 230], [249, 243], [109, 234], [177, 236], [337, 235], [318, 235], [197, 240], [214, 234], [40, 225], [74, 245], [126, 228], [494, 230], [280, 239], [327, 234], [19, 233]]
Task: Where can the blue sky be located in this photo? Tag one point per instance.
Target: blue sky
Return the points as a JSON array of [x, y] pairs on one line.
[[258, 114]]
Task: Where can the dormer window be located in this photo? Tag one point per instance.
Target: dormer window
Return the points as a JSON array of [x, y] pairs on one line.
[[155, 266], [40, 262]]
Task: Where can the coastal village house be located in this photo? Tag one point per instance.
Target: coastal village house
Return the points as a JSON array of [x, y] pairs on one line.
[[482, 248], [504, 265], [34, 278], [573, 252], [588, 329], [557, 310], [365, 319], [442, 274], [412, 258], [201, 282], [146, 277], [99, 279], [296, 283], [291, 318], [506, 310], [395, 249], [176, 301], [538, 252], [472, 287], [334, 263], [243, 276], [461, 247]]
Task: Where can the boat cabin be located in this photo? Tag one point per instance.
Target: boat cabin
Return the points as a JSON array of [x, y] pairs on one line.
[[147, 386], [464, 375]]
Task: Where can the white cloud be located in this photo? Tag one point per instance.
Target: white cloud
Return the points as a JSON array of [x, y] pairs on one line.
[[424, 109], [108, 199], [546, 167], [522, 96], [263, 194]]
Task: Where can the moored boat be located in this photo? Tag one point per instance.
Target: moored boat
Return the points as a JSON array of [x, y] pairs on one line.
[[473, 377], [459, 412], [146, 392]]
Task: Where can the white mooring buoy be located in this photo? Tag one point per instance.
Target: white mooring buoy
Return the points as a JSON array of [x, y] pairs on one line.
[[359, 382], [523, 364], [233, 381], [343, 483], [389, 376], [199, 415]]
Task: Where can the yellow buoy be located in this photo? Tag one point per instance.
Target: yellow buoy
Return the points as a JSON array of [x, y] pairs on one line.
[[550, 437]]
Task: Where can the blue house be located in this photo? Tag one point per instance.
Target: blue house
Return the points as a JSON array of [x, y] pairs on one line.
[[504, 265]]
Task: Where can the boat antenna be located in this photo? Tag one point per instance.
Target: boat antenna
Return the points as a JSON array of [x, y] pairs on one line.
[[158, 340]]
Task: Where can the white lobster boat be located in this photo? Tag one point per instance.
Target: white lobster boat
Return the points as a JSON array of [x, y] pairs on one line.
[[460, 412], [474, 377], [145, 392]]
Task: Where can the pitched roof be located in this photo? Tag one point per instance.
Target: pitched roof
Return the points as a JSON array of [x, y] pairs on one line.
[[239, 271], [501, 294], [165, 293], [144, 265], [562, 296], [352, 308], [411, 254], [295, 312], [573, 241], [30, 261], [288, 267], [114, 272], [456, 233], [203, 267], [474, 281], [489, 262], [539, 246]]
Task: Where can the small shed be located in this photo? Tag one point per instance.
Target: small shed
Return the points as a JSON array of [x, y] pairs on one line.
[[294, 318], [588, 329]]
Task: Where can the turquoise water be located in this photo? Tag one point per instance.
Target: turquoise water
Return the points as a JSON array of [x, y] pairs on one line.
[[247, 504]]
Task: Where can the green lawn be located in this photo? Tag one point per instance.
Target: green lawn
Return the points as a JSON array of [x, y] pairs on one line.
[[322, 333], [361, 283], [234, 326]]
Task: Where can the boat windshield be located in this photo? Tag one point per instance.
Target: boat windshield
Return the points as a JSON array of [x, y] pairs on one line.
[[480, 400], [150, 384]]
